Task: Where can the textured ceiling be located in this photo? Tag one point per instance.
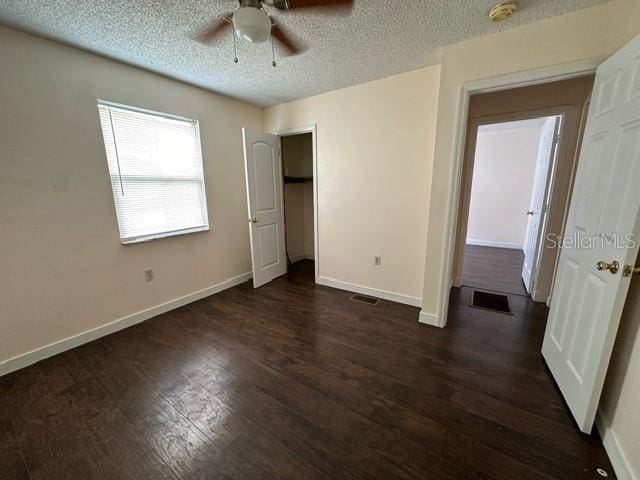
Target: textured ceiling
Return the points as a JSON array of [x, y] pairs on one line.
[[377, 39]]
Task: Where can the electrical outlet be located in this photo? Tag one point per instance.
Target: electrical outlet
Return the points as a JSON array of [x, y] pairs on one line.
[[148, 274], [377, 260]]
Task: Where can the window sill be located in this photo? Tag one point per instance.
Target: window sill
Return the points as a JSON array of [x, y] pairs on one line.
[[158, 236]]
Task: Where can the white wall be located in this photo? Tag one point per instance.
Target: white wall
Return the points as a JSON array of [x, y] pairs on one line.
[[503, 171], [64, 270], [619, 411], [374, 145]]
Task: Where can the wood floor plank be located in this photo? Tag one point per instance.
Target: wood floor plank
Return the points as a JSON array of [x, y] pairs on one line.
[[295, 380]]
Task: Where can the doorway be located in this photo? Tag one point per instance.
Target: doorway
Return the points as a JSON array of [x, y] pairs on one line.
[[513, 166], [560, 106], [265, 183], [299, 204]]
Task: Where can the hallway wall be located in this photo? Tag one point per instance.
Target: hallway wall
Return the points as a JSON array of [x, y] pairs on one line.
[[503, 171]]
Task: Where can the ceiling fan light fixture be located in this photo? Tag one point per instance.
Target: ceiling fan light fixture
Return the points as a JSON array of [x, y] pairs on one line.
[[252, 24]]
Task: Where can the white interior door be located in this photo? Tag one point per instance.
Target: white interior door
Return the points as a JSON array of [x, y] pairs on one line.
[[587, 301], [263, 167], [538, 205]]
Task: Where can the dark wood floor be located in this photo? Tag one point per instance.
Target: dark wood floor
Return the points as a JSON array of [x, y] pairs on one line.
[[491, 268], [297, 381]]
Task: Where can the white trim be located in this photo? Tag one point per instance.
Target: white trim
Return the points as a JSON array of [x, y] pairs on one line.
[[503, 82], [158, 236], [429, 319], [131, 108], [313, 129], [618, 459], [538, 296], [489, 243], [372, 292], [303, 256], [26, 359]]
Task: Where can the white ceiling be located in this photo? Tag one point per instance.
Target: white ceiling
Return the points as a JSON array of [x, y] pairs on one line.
[[377, 39]]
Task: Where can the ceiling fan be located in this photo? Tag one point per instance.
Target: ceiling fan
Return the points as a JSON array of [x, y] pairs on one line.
[[251, 22]]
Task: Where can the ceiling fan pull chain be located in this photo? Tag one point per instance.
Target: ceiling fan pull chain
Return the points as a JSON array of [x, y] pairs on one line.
[[273, 53], [235, 51]]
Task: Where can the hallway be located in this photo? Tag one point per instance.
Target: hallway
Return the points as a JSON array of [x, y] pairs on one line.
[[495, 269]]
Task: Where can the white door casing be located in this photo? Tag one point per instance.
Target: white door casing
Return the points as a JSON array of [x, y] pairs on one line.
[[587, 303], [263, 169], [539, 203]]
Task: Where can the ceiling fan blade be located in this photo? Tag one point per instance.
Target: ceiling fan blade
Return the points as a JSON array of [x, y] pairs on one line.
[[333, 4], [215, 30], [293, 47]]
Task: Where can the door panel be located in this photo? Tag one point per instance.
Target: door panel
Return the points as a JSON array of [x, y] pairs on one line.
[[538, 205], [268, 241], [603, 217], [263, 168]]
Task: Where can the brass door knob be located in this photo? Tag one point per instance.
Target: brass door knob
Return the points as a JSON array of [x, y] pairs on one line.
[[629, 270], [613, 267], [530, 212]]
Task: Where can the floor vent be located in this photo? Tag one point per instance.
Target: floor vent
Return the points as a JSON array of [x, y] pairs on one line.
[[495, 302], [364, 299]]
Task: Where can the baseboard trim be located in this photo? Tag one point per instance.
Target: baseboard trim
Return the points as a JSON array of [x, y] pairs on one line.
[[29, 358], [429, 319], [297, 258], [373, 292], [488, 243], [618, 459], [538, 296]]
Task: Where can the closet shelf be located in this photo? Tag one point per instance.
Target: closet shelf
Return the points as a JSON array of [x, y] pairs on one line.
[[298, 179]]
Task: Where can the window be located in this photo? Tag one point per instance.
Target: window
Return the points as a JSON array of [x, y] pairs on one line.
[[155, 164]]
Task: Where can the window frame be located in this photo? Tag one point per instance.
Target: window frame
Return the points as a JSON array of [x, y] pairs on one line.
[[170, 233]]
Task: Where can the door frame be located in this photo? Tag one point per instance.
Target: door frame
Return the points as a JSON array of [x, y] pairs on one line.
[[313, 130], [468, 166], [502, 82]]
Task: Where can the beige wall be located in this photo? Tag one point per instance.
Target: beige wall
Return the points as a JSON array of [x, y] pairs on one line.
[[298, 204], [297, 155], [297, 161], [503, 170], [308, 226], [64, 270], [375, 145]]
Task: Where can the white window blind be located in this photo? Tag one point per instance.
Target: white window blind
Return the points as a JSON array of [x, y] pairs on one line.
[[155, 164]]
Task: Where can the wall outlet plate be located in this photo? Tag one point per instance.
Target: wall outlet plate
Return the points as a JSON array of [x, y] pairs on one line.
[[148, 274], [377, 260]]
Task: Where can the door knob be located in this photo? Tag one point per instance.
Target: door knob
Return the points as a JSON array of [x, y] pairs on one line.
[[629, 270], [530, 212], [613, 267], [253, 220]]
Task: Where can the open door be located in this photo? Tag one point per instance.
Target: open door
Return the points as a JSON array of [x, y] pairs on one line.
[[594, 272], [263, 168], [539, 204]]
